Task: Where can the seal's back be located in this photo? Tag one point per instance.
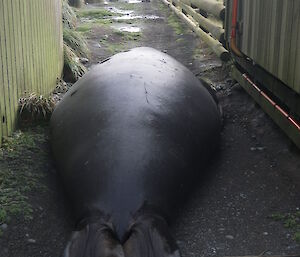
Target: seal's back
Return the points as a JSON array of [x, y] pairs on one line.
[[127, 138]]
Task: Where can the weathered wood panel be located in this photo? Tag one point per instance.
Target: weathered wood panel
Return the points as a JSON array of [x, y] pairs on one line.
[[270, 36], [31, 53]]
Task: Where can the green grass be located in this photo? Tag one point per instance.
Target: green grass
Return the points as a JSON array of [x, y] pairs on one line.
[[85, 27], [76, 42], [113, 48], [94, 13], [290, 221], [20, 173], [174, 22], [72, 66], [121, 44]]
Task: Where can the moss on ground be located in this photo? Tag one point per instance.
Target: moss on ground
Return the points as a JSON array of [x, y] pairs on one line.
[[20, 173], [111, 47], [290, 221], [86, 27], [122, 41]]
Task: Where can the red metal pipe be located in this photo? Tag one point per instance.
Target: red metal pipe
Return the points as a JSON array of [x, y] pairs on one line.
[[233, 45], [276, 106]]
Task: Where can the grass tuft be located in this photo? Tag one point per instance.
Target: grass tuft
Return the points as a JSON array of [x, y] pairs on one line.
[[76, 42], [33, 107], [73, 69], [68, 16]]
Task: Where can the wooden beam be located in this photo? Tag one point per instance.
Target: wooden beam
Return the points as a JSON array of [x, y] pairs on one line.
[[210, 6], [216, 31], [215, 45]]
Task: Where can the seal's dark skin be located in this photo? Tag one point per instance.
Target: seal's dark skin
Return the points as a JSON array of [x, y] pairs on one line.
[[126, 139]]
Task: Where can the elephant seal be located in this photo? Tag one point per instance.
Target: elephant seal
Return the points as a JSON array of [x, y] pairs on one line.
[[127, 139]]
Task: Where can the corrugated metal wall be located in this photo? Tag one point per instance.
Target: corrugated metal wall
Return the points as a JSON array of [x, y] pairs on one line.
[[270, 36], [31, 53]]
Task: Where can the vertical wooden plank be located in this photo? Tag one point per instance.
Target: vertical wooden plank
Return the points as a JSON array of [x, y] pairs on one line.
[[47, 28], [1, 89], [29, 45], [8, 47], [18, 61], [52, 29], [275, 36], [35, 47], [245, 19], [26, 51], [20, 42], [285, 40], [32, 42], [14, 66], [40, 61], [295, 44], [4, 98], [255, 31], [296, 75], [260, 26], [268, 19], [43, 46]]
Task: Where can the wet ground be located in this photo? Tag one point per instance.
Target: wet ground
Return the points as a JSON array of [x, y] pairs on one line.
[[249, 202]]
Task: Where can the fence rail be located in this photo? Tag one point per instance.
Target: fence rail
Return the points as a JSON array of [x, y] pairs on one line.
[[205, 18], [31, 53]]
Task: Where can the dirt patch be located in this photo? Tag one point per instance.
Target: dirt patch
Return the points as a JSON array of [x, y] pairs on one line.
[[253, 178]]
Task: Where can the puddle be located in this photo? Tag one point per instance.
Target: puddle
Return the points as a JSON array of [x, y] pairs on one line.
[[130, 29], [133, 17], [86, 20], [119, 11], [133, 1], [126, 28]]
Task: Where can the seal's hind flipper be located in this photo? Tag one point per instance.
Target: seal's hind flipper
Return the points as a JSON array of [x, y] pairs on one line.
[[94, 240], [150, 237]]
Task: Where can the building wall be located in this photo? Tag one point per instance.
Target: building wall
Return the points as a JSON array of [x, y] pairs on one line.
[[270, 36], [31, 53]]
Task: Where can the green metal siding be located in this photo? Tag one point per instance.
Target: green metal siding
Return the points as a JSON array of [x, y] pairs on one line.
[[31, 53], [270, 36]]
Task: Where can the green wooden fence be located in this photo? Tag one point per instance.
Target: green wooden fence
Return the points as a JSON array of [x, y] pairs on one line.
[[31, 53]]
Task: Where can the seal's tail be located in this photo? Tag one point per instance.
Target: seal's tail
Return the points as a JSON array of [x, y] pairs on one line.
[[94, 240], [148, 237]]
